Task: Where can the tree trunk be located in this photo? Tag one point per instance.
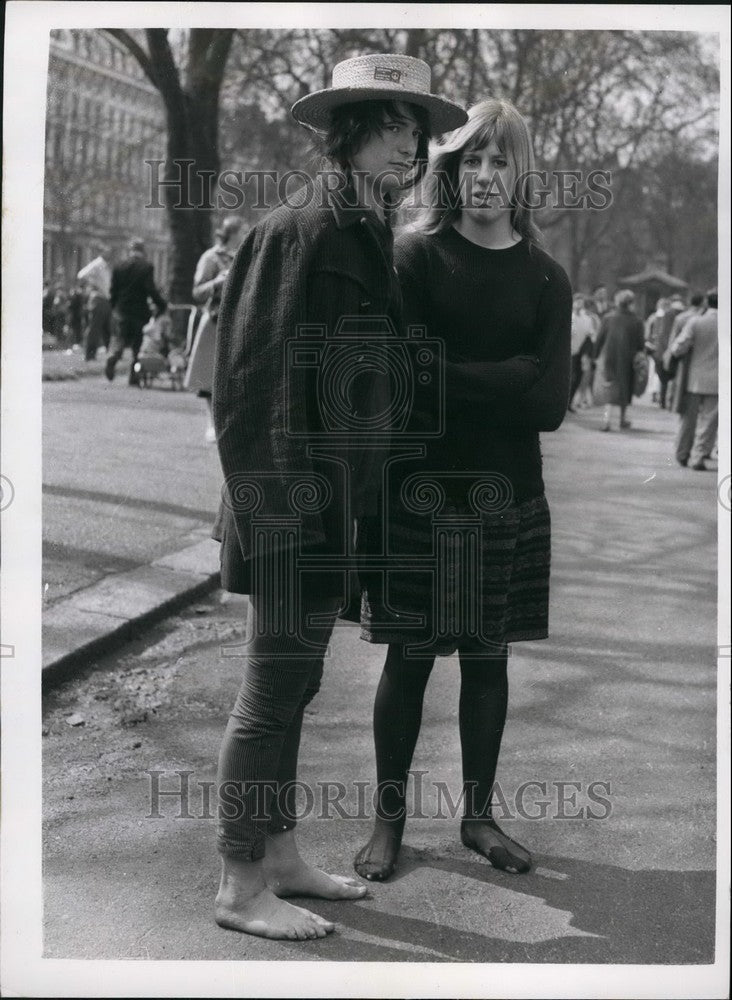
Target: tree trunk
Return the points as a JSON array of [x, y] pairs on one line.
[[191, 101], [191, 202]]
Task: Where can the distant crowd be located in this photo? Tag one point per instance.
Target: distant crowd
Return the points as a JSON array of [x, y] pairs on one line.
[[675, 353]]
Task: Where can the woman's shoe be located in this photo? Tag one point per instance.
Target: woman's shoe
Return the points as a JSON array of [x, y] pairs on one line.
[[486, 838], [625, 424]]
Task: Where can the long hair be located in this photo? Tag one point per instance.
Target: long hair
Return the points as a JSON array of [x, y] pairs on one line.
[[352, 125], [491, 119]]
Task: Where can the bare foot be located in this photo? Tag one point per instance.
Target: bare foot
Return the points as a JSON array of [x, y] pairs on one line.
[[377, 859], [487, 838], [287, 874], [245, 903]]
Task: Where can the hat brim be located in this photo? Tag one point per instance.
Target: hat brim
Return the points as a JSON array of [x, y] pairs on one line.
[[314, 110]]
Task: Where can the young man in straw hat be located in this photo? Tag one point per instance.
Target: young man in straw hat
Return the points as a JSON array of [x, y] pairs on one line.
[[295, 485]]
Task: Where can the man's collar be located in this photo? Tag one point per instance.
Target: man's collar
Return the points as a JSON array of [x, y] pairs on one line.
[[336, 191], [342, 199]]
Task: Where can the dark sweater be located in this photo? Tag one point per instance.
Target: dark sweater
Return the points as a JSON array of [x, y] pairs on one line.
[[505, 319]]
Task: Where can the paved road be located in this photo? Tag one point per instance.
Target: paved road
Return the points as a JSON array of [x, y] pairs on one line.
[[126, 474], [624, 693]]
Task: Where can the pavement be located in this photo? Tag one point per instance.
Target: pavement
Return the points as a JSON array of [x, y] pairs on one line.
[[614, 718], [130, 494]]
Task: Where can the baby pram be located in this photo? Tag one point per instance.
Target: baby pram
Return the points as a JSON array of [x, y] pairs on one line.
[[161, 358]]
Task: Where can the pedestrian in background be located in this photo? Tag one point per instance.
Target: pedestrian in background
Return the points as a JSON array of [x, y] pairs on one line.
[[208, 282], [133, 282], [97, 275], [655, 317], [698, 426], [660, 336], [678, 369], [601, 301], [587, 359], [620, 338], [75, 313], [582, 346], [59, 312]]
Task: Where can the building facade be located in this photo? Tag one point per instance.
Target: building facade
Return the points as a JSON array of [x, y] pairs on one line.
[[103, 120]]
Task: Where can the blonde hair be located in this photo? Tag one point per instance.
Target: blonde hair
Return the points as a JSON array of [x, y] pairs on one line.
[[496, 119]]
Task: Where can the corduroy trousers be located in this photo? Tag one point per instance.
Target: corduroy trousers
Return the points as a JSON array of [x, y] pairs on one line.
[[258, 759]]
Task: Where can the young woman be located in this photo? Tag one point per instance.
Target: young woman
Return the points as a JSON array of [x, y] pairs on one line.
[[473, 273], [293, 488]]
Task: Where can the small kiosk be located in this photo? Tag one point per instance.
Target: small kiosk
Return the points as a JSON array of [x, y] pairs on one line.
[[651, 284]]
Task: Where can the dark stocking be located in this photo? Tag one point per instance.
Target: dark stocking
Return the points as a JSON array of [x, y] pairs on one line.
[[397, 718], [483, 705]]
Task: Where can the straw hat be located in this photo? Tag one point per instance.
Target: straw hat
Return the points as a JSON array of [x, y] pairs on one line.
[[379, 78]]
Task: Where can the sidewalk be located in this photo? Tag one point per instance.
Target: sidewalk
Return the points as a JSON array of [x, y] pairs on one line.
[[623, 693], [130, 494], [63, 365]]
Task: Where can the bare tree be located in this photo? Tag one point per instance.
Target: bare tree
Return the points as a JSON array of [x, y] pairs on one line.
[[189, 82], [596, 101]]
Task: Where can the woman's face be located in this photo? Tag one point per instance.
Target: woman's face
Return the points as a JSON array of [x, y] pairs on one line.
[[389, 155], [486, 182]]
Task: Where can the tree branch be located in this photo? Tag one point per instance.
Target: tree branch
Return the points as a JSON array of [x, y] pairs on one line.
[[137, 51]]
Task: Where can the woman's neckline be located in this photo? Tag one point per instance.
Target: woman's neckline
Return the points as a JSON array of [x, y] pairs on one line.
[[480, 246]]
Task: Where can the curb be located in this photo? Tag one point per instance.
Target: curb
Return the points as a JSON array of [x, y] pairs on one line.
[[98, 618]]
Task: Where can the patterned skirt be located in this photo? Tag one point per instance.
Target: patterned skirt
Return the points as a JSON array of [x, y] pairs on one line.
[[474, 580]]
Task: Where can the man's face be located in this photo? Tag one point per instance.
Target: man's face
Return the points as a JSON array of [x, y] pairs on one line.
[[389, 154]]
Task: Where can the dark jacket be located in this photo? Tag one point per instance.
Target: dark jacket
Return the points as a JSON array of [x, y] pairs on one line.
[[287, 480], [132, 283]]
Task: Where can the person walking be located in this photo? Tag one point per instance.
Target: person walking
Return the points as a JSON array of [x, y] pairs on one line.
[[294, 489], [97, 275], [208, 281], [620, 338], [583, 329], [133, 281], [698, 427], [75, 313], [59, 313], [678, 369], [660, 336], [652, 322], [473, 273]]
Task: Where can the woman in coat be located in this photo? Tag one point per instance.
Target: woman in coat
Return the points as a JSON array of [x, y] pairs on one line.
[[469, 521], [208, 282], [297, 388], [620, 338]]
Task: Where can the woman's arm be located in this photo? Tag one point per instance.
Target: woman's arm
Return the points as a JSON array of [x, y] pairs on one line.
[[471, 382], [544, 405]]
